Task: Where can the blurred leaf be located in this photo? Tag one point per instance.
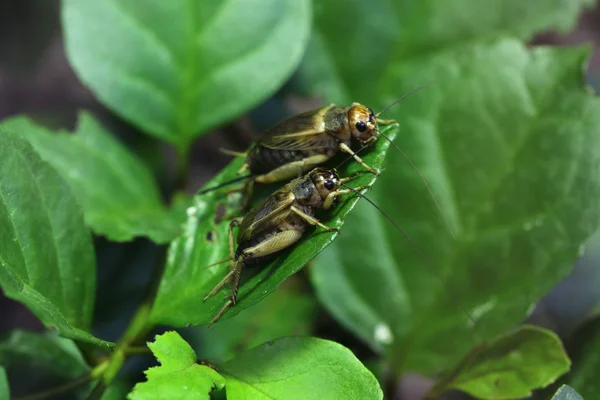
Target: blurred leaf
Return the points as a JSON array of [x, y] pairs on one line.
[[299, 368], [186, 279], [119, 196], [566, 392], [4, 390], [509, 367], [354, 49], [46, 254], [284, 313], [507, 139], [48, 351], [178, 376], [584, 347], [178, 68]]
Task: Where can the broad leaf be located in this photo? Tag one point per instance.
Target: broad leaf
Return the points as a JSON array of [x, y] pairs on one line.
[[509, 367], [4, 389], [178, 68], [354, 48], [178, 376], [299, 368], [507, 139], [566, 392], [46, 254], [187, 280], [52, 353], [117, 193], [286, 312]]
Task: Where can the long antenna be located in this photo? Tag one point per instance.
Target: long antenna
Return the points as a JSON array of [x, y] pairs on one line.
[[227, 183], [424, 181], [429, 263], [402, 98]]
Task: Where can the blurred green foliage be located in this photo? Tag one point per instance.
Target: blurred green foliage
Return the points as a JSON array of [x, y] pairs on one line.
[[507, 137]]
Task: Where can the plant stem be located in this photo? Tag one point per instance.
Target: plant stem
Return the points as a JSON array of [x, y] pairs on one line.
[[67, 387], [136, 331], [182, 169]]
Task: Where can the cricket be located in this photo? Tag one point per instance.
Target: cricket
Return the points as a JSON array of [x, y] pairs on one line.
[[303, 141], [282, 219]]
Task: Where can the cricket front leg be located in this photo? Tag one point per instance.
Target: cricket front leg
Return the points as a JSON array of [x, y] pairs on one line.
[[346, 149], [312, 220], [333, 195]]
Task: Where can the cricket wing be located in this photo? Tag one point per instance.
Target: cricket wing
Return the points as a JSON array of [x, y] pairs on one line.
[[299, 132], [267, 215]]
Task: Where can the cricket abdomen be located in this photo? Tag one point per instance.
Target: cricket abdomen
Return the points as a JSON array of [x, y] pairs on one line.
[[262, 160]]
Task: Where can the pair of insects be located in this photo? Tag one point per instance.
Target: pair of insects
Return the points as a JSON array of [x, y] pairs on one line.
[[292, 147]]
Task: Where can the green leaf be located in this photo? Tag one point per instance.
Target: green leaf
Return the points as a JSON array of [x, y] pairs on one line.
[[507, 139], [46, 254], [117, 193], [287, 312], [509, 367], [186, 279], [178, 376], [399, 34], [566, 392], [59, 355], [299, 368], [584, 347], [178, 68], [4, 390]]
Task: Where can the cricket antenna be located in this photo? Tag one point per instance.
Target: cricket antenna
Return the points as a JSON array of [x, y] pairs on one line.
[[424, 181], [427, 261], [226, 183], [402, 98]]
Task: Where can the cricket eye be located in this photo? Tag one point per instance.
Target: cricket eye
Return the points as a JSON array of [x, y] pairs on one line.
[[329, 185], [361, 126]]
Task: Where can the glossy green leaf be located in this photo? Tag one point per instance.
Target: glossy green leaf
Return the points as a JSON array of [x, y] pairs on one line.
[[506, 137], [186, 279], [52, 353], [117, 193], [299, 368], [286, 312], [178, 376], [178, 68], [509, 367], [46, 254], [4, 389], [566, 392]]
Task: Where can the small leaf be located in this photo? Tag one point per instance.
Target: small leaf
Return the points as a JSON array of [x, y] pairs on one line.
[[186, 279], [46, 254], [178, 68], [301, 368], [178, 376], [506, 138], [117, 193], [286, 312], [566, 392], [52, 353], [509, 367], [4, 389]]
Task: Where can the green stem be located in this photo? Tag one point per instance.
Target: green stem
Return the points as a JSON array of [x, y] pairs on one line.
[[182, 168], [67, 387], [138, 329]]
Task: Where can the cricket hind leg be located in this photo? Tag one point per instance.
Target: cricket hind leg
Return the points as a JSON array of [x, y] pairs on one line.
[[266, 247], [232, 259]]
